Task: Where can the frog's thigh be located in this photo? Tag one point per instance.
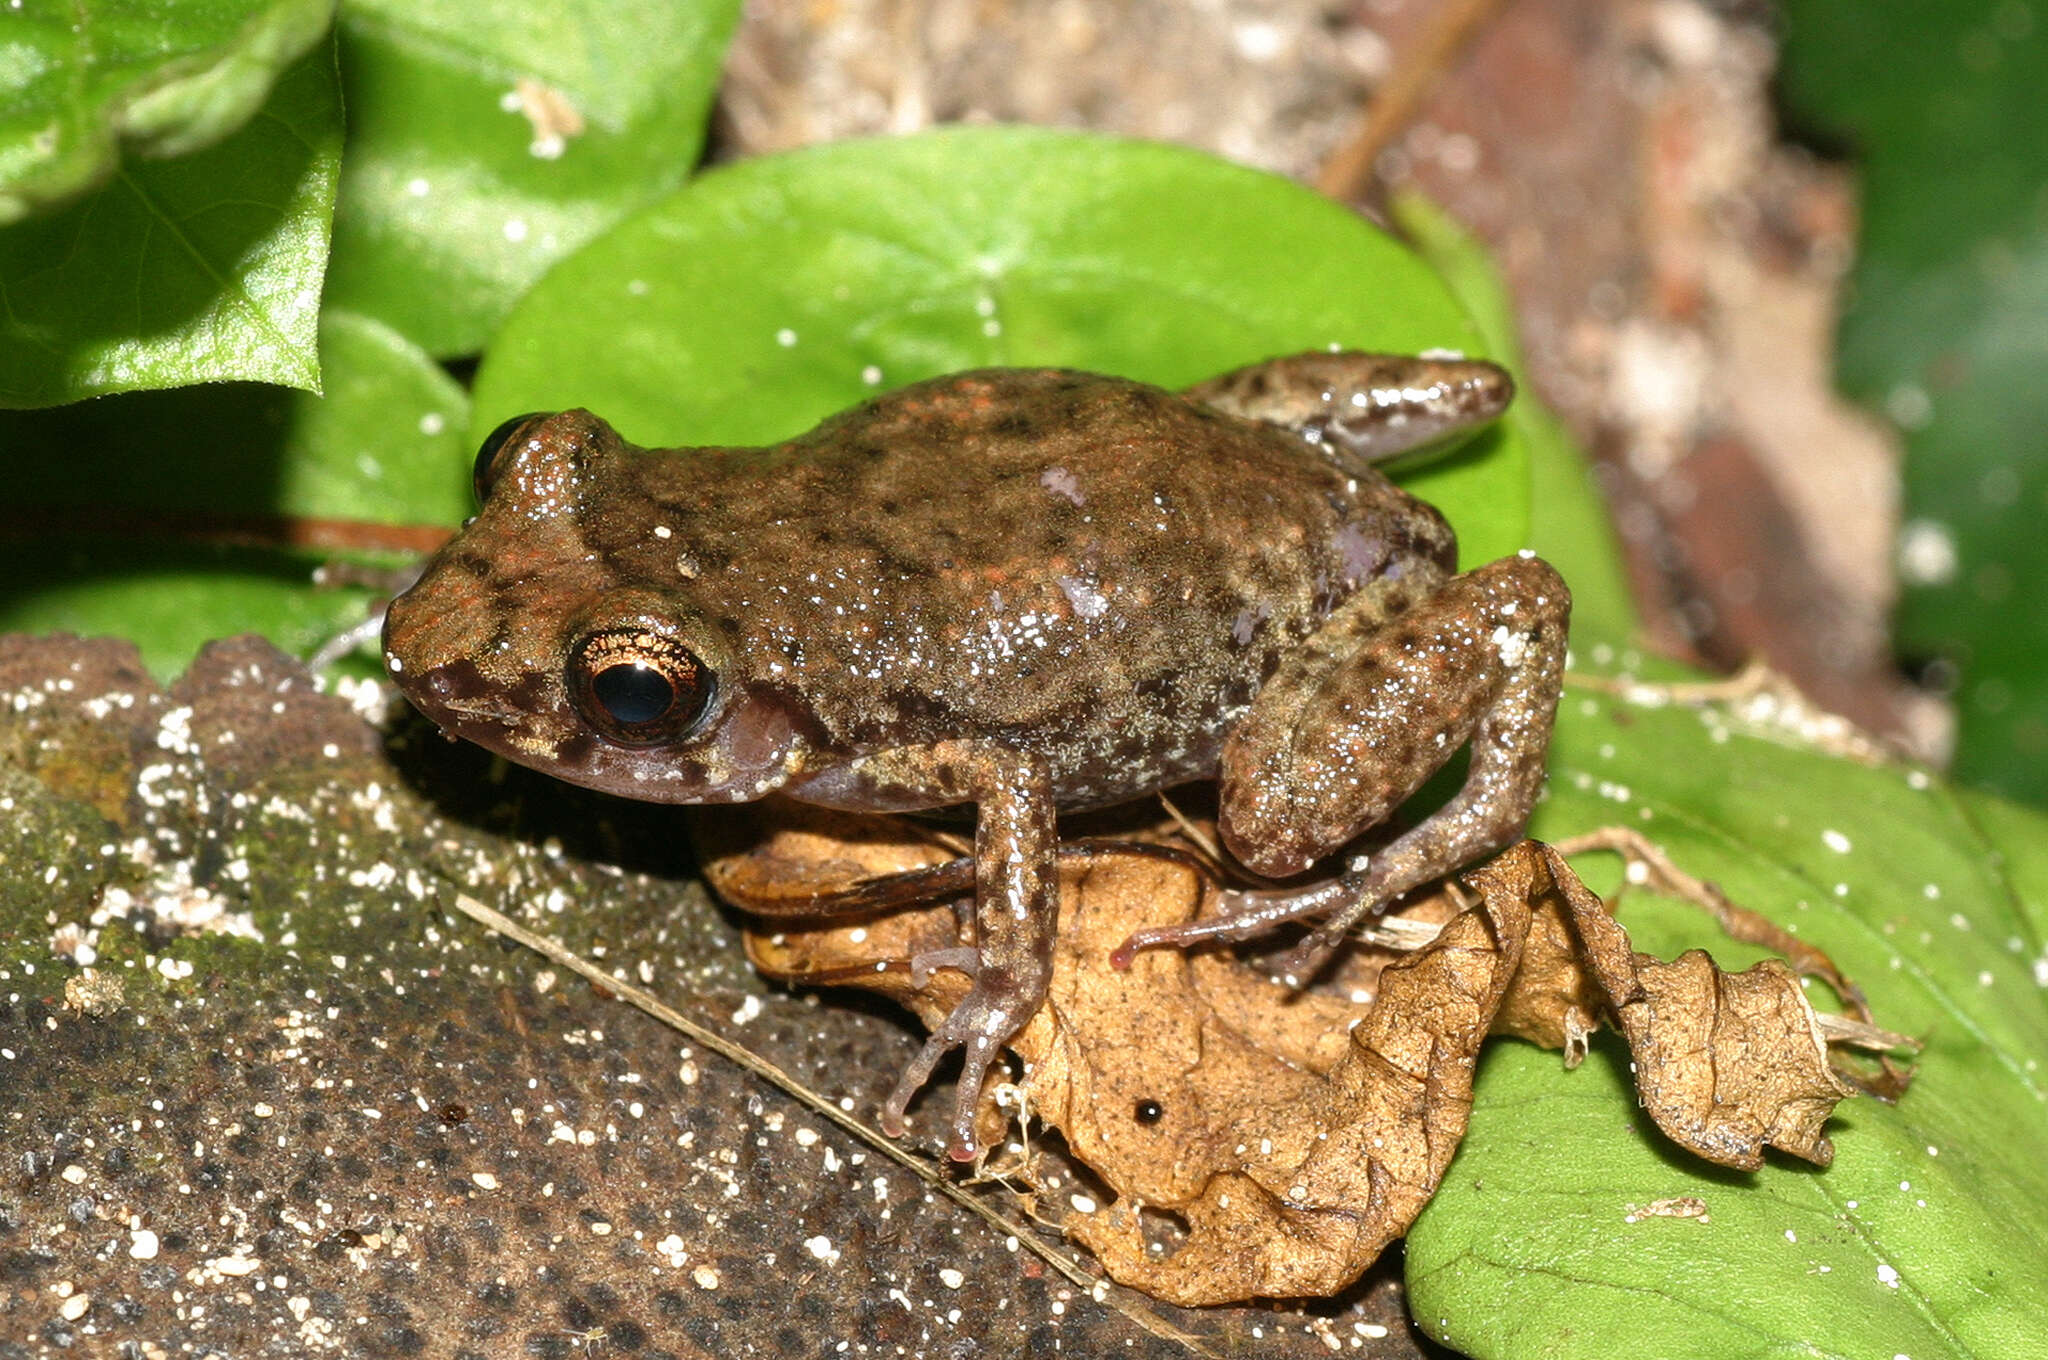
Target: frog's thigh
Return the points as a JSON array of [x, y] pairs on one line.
[[1369, 707]]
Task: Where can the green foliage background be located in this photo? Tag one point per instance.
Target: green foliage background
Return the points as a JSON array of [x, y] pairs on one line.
[[1947, 331]]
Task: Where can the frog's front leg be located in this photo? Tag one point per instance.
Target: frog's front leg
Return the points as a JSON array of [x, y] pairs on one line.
[[1362, 408], [1016, 898], [1354, 721]]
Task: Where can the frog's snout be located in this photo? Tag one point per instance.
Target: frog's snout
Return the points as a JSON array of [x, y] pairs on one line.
[[458, 695], [455, 696], [455, 685]]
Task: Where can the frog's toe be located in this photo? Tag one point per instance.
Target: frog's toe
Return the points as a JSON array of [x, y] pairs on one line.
[[979, 1051], [1239, 915], [910, 1083], [978, 1055], [964, 958], [1307, 958], [1182, 936]]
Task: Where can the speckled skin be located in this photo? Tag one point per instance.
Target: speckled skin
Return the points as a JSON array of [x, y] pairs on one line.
[[1028, 590]]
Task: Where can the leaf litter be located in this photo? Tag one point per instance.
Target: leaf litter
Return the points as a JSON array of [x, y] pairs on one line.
[[1263, 1141]]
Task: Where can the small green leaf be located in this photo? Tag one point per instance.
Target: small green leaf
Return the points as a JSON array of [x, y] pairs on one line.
[[386, 443], [117, 507], [769, 294], [1928, 1236], [451, 203], [78, 83], [202, 269], [1947, 331]]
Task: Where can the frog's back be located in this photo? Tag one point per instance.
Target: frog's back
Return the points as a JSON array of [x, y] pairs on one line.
[[1093, 566]]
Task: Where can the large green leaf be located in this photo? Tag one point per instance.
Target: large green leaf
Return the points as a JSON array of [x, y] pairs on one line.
[[451, 205], [1928, 1237], [116, 507], [1947, 330], [772, 293], [1529, 1249], [78, 83], [202, 269], [1569, 524]]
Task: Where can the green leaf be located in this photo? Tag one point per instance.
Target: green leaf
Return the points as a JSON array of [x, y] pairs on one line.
[[383, 444], [1928, 1237], [78, 83], [451, 205], [169, 599], [771, 293], [116, 507], [202, 269], [1569, 525], [1945, 331]]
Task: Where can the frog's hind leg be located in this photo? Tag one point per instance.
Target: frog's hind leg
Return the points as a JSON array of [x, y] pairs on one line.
[[1358, 718]]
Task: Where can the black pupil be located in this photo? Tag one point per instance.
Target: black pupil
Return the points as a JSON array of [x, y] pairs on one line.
[[633, 694], [1150, 1112]]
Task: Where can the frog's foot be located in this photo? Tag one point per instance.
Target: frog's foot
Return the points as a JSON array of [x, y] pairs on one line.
[[1016, 905], [978, 1027], [1307, 958], [1339, 903]]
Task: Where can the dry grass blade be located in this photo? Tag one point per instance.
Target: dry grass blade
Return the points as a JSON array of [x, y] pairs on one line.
[[824, 1108]]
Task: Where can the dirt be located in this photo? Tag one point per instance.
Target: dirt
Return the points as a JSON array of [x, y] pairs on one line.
[[262, 1093]]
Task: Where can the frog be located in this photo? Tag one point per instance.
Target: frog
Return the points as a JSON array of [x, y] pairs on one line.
[[1021, 593]]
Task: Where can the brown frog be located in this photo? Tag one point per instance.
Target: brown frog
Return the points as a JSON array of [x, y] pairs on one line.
[[1031, 591]]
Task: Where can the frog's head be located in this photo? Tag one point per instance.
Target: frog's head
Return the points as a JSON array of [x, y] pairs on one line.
[[522, 637]]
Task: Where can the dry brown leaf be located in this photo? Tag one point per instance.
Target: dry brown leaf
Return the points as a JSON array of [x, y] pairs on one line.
[[1293, 1135], [1726, 1063]]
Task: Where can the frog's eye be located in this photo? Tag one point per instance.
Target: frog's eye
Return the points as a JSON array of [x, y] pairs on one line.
[[638, 688], [485, 474]]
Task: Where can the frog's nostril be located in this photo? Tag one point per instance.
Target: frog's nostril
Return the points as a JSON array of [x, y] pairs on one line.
[[457, 682]]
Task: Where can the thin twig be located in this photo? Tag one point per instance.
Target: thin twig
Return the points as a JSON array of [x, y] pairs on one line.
[[1756, 677], [1348, 169], [1763, 699], [235, 530], [1661, 874], [1840, 1029], [1196, 836]]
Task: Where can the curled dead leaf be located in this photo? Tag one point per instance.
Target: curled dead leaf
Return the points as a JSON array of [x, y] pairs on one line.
[[1292, 1135], [1681, 1206]]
